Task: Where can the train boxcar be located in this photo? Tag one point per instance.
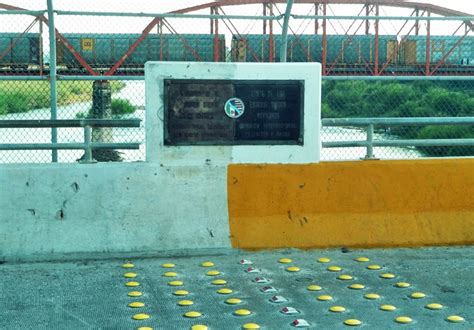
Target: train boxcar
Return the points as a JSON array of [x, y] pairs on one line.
[[19, 50], [345, 50], [104, 50], [360, 49], [413, 50], [256, 48]]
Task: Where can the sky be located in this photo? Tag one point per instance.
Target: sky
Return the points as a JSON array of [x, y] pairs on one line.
[[94, 24]]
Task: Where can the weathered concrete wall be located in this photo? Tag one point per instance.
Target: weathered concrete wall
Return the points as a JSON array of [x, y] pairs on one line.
[[56, 209]]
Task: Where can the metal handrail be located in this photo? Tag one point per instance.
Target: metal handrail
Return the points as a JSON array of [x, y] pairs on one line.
[[86, 124], [47, 123], [370, 123]]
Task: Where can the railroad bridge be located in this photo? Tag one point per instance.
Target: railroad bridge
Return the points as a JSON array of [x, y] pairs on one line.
[[236, 164]]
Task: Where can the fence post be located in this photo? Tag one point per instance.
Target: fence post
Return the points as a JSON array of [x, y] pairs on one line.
[[370, 140], [87, 145], [52, 77]]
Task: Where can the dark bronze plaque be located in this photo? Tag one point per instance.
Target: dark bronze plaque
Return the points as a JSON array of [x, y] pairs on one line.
[[194, 112]]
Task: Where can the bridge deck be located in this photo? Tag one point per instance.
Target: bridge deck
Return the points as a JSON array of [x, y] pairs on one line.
[[93, 294]]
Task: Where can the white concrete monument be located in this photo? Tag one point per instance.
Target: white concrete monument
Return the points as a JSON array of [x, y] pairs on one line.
[[221, 113]]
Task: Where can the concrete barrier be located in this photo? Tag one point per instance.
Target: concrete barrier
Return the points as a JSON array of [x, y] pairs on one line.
[[58, 211], [360, 204], [50, 211]]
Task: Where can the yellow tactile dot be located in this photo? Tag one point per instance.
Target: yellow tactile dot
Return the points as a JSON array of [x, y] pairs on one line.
[[224, 291], [352, 322], [199, 327], [250, 326], [141, 316], [181, 293], [233, 301], [213, 273], [362, 259], [434, 306], [168, 265], [135, 294], [192, 314], [374, 267], [170, 274], [324, 298], [207, 264], [293, 269], [324, 260], [455, 318], [145, 328], [219, 282], [403, 319], [242, 312], [387, 275], [417, 295], [136, 304], [130, 275], [356, 286], [402, 285], [128, 265], [185, 302], [334, 268], [132, 283], [285, 260], [345, 277], [175, 283], [313, 287], [371, 296], [337, 309], [388, 308]]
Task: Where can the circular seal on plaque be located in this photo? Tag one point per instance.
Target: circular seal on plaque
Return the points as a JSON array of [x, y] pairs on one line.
[[234, 107]]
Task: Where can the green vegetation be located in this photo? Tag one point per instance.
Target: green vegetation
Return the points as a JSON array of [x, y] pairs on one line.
[[342, 99], [119, 107], [24, 96]]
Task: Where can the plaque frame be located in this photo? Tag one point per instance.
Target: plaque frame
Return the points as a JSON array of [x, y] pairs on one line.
[[238, 142]]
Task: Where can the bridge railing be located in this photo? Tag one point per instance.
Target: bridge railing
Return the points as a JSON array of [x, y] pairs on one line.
[[369, 125], [87, 124]]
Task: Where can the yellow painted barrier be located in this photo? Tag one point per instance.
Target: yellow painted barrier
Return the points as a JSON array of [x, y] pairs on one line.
[[359, 204]]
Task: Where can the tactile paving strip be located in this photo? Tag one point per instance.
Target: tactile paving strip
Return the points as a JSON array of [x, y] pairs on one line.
[[283, 290]]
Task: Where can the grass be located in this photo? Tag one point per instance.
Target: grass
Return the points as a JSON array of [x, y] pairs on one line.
[[24, 96], [119, 107]]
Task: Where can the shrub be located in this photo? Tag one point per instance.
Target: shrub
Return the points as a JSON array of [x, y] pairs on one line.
[[122, 107]]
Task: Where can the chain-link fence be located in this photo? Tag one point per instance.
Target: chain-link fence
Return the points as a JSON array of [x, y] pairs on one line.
[[116, 45], [398, 99]]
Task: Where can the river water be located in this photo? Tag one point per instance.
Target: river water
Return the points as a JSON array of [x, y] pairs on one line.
[[134, 91]]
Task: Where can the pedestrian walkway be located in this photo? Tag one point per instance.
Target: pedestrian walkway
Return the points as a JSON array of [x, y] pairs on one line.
[[426, 288]]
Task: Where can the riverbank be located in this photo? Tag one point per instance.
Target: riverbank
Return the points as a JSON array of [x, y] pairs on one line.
[[24, 96]]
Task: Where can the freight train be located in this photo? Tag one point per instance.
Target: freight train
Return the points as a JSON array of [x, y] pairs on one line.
[[355, 53], [345, 54]]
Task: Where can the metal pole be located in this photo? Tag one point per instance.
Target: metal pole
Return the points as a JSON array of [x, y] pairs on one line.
[[316, 21], [428, 47], [417, 23], [376, 46], [284, 34], [370, 140], [52, 77], [270, 37], [87, 144], [324, 44], [264, 21], [367, 23]]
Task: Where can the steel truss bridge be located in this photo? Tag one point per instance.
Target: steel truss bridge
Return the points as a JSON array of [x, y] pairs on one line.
[[386, 58]]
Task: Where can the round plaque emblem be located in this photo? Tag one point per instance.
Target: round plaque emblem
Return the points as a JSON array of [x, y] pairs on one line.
[[234, 107]]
